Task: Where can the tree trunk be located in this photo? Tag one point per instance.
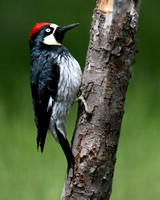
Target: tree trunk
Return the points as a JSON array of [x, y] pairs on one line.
[[105, 80]]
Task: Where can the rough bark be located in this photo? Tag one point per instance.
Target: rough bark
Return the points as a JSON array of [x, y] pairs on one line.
[[106, 77]]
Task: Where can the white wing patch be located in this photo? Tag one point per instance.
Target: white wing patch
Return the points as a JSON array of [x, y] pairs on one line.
[[50, 103]]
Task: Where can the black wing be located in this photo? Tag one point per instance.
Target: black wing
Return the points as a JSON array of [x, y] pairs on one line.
[[44, 83]]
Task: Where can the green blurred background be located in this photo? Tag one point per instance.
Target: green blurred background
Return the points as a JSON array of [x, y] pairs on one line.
[[28, 175]]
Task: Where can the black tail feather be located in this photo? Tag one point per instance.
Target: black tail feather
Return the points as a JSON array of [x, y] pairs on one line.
[[42, 125], [66, 149], [41, 137]]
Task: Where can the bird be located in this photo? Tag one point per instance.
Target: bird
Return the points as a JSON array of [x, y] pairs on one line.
[[55, 80]]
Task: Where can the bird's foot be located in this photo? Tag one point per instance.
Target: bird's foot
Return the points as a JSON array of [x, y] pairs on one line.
[[83, 101]]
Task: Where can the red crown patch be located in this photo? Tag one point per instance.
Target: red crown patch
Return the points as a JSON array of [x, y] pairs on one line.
[[37, 27]]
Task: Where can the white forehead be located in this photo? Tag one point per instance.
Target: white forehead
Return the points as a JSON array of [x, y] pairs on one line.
[[54, 26]]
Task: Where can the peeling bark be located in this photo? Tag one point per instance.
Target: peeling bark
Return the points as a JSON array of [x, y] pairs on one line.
[[105, 80]]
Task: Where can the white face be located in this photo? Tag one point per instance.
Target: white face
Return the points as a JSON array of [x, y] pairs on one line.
[[50, 39]]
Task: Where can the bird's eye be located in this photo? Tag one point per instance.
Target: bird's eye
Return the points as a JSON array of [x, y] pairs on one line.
[[48, 30]]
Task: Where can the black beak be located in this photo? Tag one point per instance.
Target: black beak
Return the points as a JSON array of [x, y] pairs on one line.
[[63, 29], [60, 32]]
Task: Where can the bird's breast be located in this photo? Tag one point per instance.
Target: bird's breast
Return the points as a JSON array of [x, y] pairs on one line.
[[70, 78]]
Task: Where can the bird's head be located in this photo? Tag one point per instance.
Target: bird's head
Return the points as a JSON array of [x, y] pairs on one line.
[[49, 34]]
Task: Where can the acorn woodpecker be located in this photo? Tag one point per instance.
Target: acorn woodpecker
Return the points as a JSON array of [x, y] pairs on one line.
[[55, 78]]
